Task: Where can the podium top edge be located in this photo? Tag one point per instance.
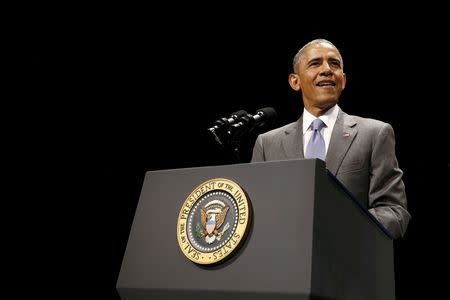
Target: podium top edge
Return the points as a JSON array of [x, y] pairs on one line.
[[235, 164]]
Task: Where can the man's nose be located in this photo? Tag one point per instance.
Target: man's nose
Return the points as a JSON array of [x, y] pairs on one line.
[[326, 70]]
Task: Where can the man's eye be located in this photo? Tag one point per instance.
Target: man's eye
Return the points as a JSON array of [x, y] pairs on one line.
[[335, 63]]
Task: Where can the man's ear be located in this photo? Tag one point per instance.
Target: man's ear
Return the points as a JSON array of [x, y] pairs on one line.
[[294, 82]]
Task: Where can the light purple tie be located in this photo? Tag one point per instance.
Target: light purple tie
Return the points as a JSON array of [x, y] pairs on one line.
[[316, 144]]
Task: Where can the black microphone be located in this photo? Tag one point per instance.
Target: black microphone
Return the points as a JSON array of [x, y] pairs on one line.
[[224, 123], [262, 117], [221, 128]]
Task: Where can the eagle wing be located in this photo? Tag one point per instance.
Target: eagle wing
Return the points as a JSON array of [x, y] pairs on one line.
[[221, 217], [204, 217]]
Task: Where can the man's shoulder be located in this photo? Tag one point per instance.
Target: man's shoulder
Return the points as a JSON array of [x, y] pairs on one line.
[[364, 121], [281, 131]]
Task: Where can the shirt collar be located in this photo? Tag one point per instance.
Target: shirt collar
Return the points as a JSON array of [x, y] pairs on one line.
[[329, 118]]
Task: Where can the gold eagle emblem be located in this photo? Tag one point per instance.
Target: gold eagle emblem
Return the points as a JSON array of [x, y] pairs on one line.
[[212, 218]]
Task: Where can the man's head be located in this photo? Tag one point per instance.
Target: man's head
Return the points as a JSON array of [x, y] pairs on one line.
[[319, 75]]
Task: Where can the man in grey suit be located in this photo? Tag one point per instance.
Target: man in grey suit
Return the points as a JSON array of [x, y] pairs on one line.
[[360, 152]]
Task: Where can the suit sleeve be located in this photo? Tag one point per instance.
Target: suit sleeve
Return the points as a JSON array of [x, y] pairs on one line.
[[258, 150], [387, 196]]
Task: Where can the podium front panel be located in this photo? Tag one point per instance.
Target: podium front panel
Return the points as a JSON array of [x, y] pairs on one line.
[[275, 259]]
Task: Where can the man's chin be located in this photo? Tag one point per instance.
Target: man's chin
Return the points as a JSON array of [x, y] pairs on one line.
[[327, 103]]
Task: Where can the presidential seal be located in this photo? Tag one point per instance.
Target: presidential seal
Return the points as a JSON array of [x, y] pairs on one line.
[[213, 221]]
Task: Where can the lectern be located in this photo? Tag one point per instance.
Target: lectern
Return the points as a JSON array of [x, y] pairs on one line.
[[309, 239]]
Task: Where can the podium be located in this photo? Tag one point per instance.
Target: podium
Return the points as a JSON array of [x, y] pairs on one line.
[[309, 239]]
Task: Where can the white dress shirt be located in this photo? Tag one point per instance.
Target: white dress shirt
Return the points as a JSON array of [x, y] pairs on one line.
[[329, 118]]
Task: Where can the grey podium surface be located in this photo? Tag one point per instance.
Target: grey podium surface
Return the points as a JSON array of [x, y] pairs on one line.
[[308, 240]]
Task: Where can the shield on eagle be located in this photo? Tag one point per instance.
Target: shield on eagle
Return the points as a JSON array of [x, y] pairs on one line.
[[212, 217]]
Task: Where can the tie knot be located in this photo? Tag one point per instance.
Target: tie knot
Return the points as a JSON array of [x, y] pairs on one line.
[[317, 124]]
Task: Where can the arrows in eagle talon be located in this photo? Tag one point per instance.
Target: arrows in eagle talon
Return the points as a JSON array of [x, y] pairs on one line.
[[225, 228]]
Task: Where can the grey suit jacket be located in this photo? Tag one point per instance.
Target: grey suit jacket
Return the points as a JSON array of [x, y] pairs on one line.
[[361, 155]]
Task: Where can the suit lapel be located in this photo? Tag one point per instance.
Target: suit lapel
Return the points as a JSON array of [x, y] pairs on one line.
[[293, 143], [344, 132]]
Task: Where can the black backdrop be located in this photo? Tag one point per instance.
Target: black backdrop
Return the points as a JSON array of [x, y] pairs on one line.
[[115, 94]]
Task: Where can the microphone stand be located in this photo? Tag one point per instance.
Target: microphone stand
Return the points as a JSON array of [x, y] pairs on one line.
[[229, 143], [230, 139], [236, 150], [237, 132]]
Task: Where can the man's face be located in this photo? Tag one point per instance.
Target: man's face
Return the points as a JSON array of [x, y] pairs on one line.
[[320, 77]]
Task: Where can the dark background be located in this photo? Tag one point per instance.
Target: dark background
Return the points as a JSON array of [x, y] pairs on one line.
[[114, 93]]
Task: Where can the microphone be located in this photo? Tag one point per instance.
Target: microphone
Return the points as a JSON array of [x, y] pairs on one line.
[[263, 116], [223, 123], [228, 132], [221, 126]]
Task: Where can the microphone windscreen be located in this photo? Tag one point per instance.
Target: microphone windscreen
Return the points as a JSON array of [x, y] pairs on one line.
[[269, 113]]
